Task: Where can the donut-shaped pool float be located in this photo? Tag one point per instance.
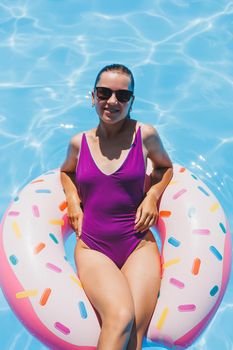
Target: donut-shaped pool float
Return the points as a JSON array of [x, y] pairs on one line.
[[47, 296]]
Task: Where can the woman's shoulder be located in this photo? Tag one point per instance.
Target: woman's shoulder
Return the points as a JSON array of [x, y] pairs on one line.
[[76, 139], [147, 130]]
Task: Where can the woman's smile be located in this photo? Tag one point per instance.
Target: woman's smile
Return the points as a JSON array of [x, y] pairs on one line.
[[110, 110]]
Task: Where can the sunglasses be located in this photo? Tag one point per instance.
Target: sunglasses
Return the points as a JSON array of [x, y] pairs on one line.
[[104, 93]]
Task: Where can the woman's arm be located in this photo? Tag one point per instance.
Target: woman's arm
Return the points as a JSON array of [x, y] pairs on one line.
[[74, 211], [162, 166], [161, 175]]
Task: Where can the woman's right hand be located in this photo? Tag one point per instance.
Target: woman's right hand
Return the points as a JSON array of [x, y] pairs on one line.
[[75, 216]]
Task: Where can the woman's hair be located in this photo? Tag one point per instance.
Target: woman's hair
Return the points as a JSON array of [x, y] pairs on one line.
[[116, 68]]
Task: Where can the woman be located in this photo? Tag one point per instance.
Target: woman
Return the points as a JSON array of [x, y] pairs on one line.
[[103, 178]]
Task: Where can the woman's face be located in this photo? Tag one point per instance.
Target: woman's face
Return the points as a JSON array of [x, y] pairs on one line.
[[111, 110]]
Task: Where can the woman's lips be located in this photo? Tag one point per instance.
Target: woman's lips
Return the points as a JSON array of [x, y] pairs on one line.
[[111, 110]]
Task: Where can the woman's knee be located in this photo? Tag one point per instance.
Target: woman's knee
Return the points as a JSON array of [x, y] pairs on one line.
[[120, 317]]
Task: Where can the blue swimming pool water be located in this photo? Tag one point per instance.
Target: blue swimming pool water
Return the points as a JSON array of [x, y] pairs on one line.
[[181, 53]]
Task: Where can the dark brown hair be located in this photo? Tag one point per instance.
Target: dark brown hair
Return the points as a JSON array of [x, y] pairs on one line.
[[117, 68]]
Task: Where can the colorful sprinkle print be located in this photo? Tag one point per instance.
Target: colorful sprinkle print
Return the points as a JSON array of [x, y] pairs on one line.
[[53, 267], [63, 206], [191, 212], [82, 309], [179, 193], [13, 213], [39, 248], [176, 283], [173, 241], [194, 177], [35, 211], [76, 280], [26, 294], [196, 266], [16, 229], [214, 291], [37, 181], [165, 213], [214, 207], [193, 245], [13, 259], [162, 318], [54, 239], [216, 252], [203, 191], [201, 231], [62, 328], [173, 182], [45, 296], [187, 308], [43, 191], [56, 222], [223, 228], [171, 262]]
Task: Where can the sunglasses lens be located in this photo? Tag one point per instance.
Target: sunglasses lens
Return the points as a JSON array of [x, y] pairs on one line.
[[104, 93], [123, 95]]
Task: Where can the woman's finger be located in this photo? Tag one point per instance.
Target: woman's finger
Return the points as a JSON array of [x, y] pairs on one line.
[[152, 222], [74, 223], [138, 214], [80, 226], [147, 223], [141, 222]]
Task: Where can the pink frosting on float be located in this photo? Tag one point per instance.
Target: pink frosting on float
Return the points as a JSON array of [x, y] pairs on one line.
[[161, 228], [23, 306], [162, 340], [189, 337], [36, 327]]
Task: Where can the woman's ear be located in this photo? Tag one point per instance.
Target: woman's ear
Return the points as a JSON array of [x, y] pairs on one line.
[[132, 103], [93, 98]]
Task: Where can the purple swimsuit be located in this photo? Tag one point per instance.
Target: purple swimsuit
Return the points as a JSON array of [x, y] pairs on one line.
[[110, 202]]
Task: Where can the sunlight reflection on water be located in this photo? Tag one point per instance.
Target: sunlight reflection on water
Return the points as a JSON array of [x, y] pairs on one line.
[[181, 53]]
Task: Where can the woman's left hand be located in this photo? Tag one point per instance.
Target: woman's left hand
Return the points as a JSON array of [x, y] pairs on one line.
[[147, 213]]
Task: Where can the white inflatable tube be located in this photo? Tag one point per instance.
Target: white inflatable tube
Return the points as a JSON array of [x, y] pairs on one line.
[[46, 294]]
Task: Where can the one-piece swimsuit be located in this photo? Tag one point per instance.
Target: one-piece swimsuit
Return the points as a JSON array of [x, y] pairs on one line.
[[110, 202]]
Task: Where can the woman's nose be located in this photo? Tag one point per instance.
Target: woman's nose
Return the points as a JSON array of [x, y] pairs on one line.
[[112, 98]]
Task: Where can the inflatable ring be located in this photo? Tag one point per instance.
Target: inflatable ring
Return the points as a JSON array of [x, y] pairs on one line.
[[47, 296]]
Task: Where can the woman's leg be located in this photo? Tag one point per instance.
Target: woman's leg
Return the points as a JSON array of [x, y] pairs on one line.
[[143, 272], [108, 291]]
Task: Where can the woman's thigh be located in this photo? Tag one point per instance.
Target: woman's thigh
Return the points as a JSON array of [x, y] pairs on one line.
[[142, 270], [105, 285]]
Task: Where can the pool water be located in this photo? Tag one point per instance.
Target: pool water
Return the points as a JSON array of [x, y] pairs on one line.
[[181, 54]]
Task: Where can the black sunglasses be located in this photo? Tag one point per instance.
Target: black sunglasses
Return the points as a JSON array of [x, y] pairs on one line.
[[104, 93]]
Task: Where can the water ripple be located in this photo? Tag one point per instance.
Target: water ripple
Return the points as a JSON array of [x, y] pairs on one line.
[[181, 54]]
